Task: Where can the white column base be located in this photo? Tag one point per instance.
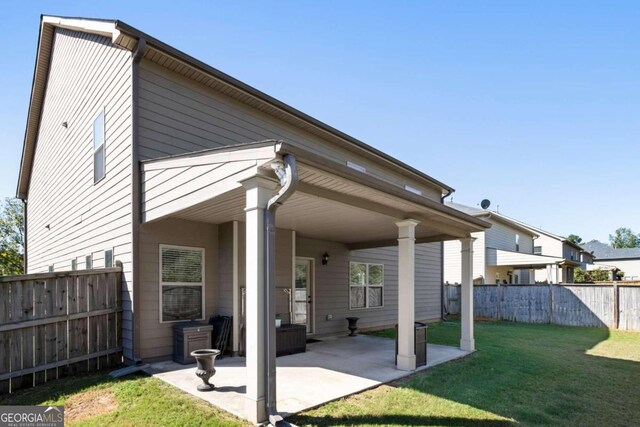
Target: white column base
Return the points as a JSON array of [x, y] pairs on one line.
[[406, 363], [468, 345], [255, 410]]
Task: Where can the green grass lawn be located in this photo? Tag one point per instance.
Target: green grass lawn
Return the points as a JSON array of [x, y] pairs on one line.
[[522, 374], [137, 400]]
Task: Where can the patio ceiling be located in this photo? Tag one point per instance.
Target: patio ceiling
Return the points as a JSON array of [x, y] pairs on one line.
[[332, 202]]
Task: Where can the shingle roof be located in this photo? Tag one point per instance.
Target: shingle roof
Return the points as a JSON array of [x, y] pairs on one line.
[[604, 251]]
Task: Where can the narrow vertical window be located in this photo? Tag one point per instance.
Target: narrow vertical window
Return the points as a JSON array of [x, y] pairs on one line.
[[74, 265], [51, 269], [108, 258], [99, 159], [517, 243], [88, 262]]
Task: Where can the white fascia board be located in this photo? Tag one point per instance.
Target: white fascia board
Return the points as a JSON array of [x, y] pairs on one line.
[[103, 28]]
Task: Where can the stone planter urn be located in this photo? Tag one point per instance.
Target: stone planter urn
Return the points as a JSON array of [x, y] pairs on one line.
[[206, 360], [353, 325]]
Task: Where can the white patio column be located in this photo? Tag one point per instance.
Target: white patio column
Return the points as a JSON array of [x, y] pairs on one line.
[[406, 294], [467, 341], [258, 191]]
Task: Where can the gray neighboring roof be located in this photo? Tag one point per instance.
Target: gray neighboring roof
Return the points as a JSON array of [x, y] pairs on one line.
[[127, 36], [603, 251]]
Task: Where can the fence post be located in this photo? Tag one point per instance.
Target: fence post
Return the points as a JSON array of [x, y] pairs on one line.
[[616, 306], [499, 297], [551, 303]]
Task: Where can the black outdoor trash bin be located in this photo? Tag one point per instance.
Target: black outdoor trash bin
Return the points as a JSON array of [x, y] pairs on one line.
[[420, 343], [188, 337]]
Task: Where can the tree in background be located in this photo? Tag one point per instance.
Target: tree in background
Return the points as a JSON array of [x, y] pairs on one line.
[[623, 238], [597, 275], [575, 239], [11, 237]]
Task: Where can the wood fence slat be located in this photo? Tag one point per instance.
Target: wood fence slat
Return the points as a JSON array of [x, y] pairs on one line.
[[62, 347], [40, 335], [5, 349], [16, 336], [28, 333], [51, 330], [72, 295], [93, 291]]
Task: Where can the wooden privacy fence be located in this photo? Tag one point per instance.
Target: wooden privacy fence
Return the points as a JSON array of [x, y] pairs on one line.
[[54, 324], [615, 305]]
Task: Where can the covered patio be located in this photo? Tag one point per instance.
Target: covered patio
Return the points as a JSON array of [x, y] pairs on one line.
[[553, 266], [332, 368], [320, 198]]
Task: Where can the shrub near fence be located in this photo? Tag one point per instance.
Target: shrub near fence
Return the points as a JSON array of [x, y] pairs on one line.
[[54, 324], [612, 305]]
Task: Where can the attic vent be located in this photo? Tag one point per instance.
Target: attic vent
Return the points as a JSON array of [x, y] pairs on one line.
[[356, 166], [410, 189]]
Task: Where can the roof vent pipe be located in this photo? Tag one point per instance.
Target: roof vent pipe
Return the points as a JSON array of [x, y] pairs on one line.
[[288, 175]]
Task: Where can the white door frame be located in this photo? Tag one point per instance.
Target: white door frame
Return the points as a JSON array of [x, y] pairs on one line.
[[311, 317]]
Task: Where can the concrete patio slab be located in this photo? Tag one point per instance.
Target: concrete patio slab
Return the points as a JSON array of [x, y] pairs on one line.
[[330, 369]]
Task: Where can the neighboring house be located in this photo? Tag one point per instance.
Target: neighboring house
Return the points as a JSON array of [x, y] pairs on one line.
[[587, 259], [550, 244], [624, 259], [138, 153], [502, 253]]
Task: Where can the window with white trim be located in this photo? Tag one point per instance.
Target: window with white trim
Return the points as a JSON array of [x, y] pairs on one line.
[[99, 157], [366, 285], [74, 264], [88, 262], [181, 283]]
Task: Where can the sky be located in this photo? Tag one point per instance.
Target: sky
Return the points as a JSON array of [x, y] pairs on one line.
[[534, 105]]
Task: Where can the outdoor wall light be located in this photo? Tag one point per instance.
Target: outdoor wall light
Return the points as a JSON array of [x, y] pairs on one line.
[[65, 124], [325, 258], [48, 227]]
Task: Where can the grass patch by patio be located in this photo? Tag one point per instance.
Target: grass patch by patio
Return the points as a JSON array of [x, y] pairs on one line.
[[137, 400], [524, 374]]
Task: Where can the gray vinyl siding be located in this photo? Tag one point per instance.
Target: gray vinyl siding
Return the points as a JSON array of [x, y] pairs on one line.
[[331, 280], [87, 73], [332, 289], [501, 236], [179, 115], [155, 337]]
